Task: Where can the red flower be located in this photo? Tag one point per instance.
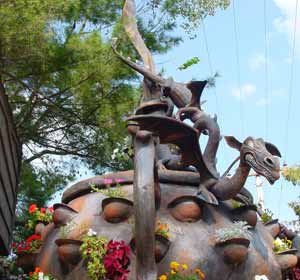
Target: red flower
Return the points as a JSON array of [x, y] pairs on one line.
[[50, 209], [32, 208], [116, 260], [14, 245], [43, 210], [33, 237], [37, 270], [23, 247], [295, 273]]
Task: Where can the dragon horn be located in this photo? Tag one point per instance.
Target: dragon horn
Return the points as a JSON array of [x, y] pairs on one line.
[[141, 69]]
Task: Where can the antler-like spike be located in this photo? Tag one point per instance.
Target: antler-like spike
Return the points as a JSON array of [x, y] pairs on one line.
[[130, 25], [178, 92], [139, 68]]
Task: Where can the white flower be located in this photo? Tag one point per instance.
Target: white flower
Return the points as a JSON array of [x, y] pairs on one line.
[[278, 242], [91, 232], [41, 276], [261, 277]]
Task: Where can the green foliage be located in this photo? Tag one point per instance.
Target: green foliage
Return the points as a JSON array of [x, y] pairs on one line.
[[237, 230], [70, 95], [109, 191], [36, 186], [93, 250], [162, 229], [66, 229], [235, 204], [39, 275], [43, 215], [266, 216], [9, 270], [188, 12], [292, 174], [296, 207], [180, 272], [281, 245], [189, 63]]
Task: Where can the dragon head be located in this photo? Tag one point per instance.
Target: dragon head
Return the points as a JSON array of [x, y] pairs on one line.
[[260, 155]]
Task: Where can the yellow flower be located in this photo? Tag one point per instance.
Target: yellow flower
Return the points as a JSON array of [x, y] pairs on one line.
[[173, 271], [174, 266], [200, 273], [184, 266], [163, 277]]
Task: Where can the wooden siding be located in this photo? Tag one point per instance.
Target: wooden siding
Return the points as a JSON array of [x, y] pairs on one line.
[[9, 173]]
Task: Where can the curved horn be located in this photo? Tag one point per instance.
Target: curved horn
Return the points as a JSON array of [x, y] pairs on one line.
[[130, 25], [142, 70]]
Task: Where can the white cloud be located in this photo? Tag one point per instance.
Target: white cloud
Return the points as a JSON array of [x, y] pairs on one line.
[[262, 102], [246, 91], [257, 61], [286, 21]]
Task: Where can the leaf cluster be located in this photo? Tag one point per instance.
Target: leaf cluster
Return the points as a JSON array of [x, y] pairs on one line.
[[266, 216], [292, 174], [93, 249], [237, 230], [190, 13], [69, 94]]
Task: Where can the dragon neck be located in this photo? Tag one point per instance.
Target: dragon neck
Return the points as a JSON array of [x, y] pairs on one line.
[[241, 174], [227, 188]]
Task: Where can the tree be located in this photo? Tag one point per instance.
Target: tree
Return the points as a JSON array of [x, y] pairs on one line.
[[69, 93], [292, 174]]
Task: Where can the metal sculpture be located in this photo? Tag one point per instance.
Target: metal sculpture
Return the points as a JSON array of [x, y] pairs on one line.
[[183, 190]]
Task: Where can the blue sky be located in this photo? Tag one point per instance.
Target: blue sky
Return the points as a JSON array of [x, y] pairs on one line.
[[262, 112], [264, 109]]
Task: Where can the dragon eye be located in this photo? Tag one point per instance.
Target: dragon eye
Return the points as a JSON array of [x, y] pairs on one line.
[[186, 209], [116, 210]]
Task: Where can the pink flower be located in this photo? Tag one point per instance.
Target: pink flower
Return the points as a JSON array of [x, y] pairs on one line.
[[107, 181]]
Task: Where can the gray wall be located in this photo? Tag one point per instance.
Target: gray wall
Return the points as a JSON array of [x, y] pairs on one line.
[[9, 173]]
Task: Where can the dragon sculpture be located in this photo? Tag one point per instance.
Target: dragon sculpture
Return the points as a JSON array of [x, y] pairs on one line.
[[183, 189]]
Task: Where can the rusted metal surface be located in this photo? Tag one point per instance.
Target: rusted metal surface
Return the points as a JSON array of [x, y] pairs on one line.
[[192, 235], [9, 172], [182, 199], [144, 205]]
